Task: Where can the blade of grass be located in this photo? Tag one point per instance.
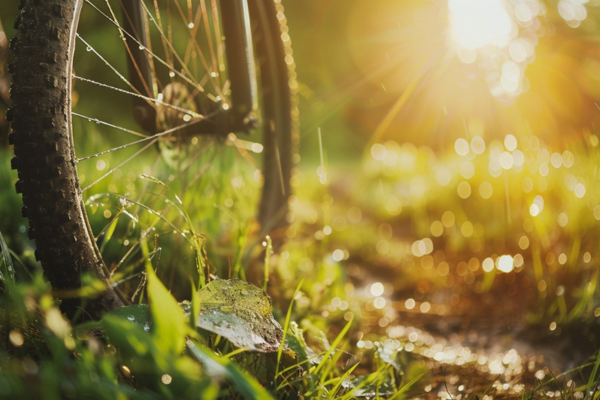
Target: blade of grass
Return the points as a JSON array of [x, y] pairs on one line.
[[294, 367], [586, 298], [244, 384], [593, 376], [374, 377], [199, 248], [406, 387], [333, 346], [576, 369], [7, 275], [341, 380], [268, 252], [334, 359], [8, 270], [109, 231], [489, 387], [238, 270], [285, 329]]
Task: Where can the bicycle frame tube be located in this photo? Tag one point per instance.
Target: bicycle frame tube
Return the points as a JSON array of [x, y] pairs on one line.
[[240, 116], [240, 62]]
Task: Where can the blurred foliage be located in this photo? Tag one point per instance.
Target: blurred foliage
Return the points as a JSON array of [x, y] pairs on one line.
[[447, 242]]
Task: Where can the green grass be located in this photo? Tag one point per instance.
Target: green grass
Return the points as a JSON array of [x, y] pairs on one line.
[[346, 249]]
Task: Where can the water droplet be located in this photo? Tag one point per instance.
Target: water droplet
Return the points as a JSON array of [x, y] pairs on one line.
[[131, 318], [172, 74], [166, 379], [141, 47], [89, 48]]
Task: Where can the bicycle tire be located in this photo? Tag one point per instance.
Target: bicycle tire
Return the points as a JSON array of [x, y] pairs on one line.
[[44, 150]]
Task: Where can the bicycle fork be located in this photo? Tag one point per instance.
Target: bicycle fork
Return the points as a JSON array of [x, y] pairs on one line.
[[237, 116]]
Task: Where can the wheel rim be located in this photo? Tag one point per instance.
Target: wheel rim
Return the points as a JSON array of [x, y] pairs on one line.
[[156, 209]]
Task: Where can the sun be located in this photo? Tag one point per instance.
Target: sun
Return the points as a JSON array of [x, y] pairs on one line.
[[477, 23]]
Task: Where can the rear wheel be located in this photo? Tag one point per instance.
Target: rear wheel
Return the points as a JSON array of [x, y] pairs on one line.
[[104, 196]]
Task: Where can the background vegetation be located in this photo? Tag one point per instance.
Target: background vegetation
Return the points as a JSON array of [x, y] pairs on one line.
[[443, 244]]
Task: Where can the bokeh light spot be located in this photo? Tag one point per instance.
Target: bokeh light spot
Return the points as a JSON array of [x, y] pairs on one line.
[[477, 145], [437, 228], [506, 160], [461, 146], [510, 142], [505, 263], [377, 289], [523, 242], [464, 190], [488, 265], [448, 219], [563, 219], [486, 190]]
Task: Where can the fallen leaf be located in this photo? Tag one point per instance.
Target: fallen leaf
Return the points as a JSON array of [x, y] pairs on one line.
[[241, 313]]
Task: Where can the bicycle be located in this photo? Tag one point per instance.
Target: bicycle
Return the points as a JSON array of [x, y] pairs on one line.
[[234, 73]]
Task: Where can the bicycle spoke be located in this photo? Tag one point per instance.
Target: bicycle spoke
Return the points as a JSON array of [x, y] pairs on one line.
[[118, 166], [209, 37], [90, 119], [217, 27], [142, 47], [162, 38], [149, 91], [153, 137], [193, 28], [148, 99], [174, 52]]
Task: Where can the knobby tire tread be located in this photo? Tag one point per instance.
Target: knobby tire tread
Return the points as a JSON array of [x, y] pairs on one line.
[[44, 156]]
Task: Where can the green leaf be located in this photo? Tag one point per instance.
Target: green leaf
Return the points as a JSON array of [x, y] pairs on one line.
[[110, 231], [241, 313], [221, 367], [168, 318], [295, 342], [136, 314], [126, 336]]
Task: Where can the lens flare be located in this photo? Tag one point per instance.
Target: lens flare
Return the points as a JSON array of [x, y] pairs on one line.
[[478, 23]]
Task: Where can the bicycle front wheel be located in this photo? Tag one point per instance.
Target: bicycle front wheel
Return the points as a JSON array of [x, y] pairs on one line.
[[104, 196]]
